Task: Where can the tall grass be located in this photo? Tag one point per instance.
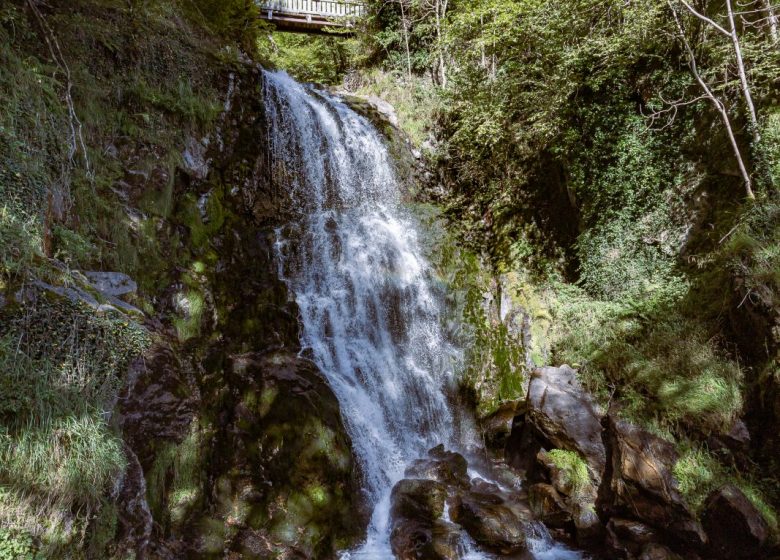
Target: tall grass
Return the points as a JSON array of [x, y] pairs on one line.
[[659, 363], [699, 472]]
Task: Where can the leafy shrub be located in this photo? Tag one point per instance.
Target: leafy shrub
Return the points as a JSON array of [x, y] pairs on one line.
[[16, 545]]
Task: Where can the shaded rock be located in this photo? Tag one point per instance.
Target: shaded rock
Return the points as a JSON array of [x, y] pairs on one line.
[[655, 551], [134, 518], [444, 466], [563, 414], [588, 529], [639, 483], [548, 505], [412, 539], [280, 457], [626, 538], [111, 283], [497, 427], [158, 402], [489, 520], [735, 527]]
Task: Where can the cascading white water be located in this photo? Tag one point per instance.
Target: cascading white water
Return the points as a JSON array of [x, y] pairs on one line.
[[371, 320]]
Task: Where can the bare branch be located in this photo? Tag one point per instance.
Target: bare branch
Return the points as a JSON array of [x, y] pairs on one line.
[[705, 18]]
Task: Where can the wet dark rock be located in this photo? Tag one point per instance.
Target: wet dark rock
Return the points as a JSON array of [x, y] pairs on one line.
[[490, 520], [734, 444], [135, 521], [656, 551], [418, 532], [588, 528], [280, 459], [444, 466], [639, 483], [735, 527], [412, 539], [497, 427], [418, 499], [561, 414], [548, 505]]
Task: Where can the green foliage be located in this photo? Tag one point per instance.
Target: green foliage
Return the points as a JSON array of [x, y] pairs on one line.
[[660, 363], [416, 103], [698, 473], [16, 546], [192, 306], [233, 20], [573, 468], [71, 461], [60, 368], [310, 58], [753, 253]]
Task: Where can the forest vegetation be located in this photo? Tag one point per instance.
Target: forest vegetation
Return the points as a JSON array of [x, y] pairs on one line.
[[613, 165]]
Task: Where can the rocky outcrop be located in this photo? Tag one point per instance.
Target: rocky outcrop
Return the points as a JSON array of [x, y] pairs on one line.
[[548, 505], [559, 414], [495, 519], [736, 529], [158, 402], [441, 465], [639, 483], [418, 531]]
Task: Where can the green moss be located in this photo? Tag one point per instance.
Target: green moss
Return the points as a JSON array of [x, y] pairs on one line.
[[193, 306], [573, 468]]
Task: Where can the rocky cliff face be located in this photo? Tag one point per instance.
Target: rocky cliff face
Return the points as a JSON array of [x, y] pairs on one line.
[[240, 440]]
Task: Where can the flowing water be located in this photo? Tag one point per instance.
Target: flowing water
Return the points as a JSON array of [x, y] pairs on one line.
[[371, 317]]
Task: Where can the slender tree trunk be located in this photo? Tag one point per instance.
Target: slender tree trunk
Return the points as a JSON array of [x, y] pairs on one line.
[[719, 106], [405, 25], [440, 9], [771, 17], [743, 76]]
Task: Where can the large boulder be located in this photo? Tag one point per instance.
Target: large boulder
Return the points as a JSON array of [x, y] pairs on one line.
[[418, 531], [490, 519], [565, 416], [639, 484], [735, 527], [418, 499], [444, 466]]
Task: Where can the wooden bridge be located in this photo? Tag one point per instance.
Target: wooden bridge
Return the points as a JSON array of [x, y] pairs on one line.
[[310, 16]]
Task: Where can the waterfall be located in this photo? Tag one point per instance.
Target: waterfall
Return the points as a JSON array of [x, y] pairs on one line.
[[371, 317]]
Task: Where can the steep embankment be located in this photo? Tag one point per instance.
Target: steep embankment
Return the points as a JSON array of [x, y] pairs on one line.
[[160, 408]]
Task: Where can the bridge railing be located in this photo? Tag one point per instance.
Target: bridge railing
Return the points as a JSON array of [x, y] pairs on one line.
[[324, 8]]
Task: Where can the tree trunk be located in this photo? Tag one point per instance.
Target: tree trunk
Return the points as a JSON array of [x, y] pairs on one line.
[[721, 108], [743, 76], [405, 25], [771, 17]]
